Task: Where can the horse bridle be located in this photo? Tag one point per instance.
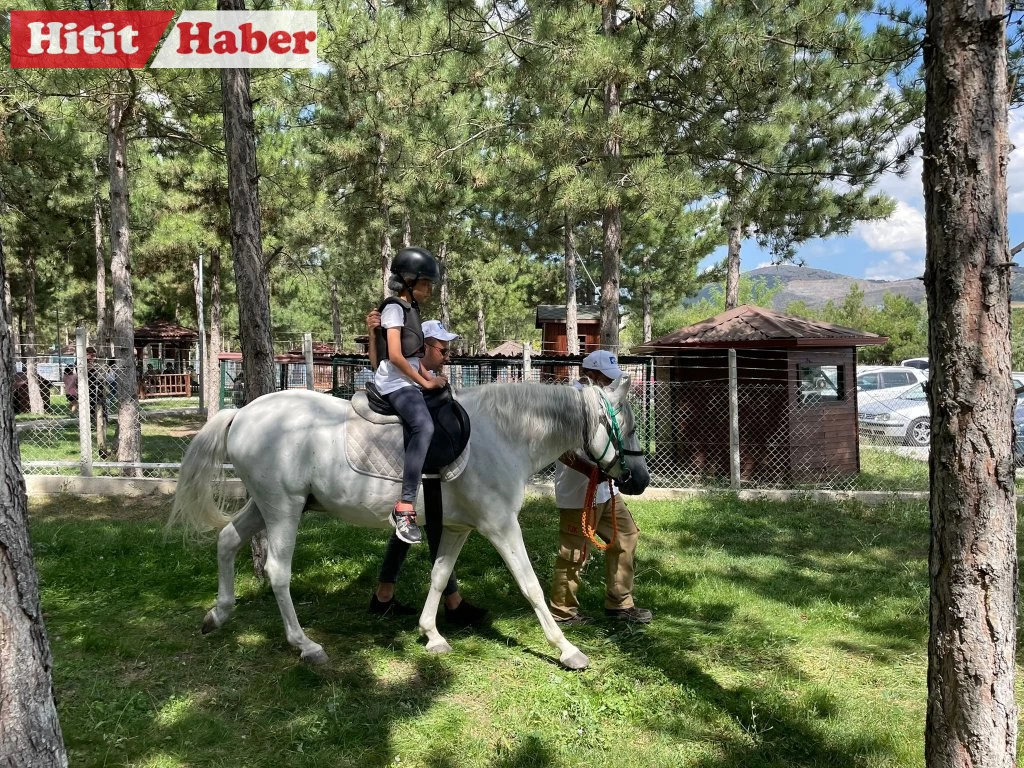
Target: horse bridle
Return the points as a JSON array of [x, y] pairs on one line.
[[616, 440]]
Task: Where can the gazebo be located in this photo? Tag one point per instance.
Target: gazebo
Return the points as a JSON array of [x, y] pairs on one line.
[[796, 390], [170, 340]]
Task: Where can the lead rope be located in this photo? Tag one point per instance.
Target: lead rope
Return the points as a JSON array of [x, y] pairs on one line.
[[588, 520]]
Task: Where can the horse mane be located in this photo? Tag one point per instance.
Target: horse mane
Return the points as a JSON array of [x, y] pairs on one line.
[[531, 412]]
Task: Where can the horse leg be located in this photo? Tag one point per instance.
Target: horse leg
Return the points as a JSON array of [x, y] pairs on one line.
[[509, 543], [282, 525], [447, 553], [232, 536]]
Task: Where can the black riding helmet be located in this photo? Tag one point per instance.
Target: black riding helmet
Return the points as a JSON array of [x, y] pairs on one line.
[[416, 263]]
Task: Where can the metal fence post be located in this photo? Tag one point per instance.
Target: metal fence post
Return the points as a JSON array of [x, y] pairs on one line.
[[307, 352], [734, 423], [527, 362], [84, 417]]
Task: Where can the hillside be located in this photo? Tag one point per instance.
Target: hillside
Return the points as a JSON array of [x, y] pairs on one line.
[[817, 286]]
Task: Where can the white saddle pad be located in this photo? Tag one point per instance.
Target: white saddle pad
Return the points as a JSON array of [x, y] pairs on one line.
[[374, 445]]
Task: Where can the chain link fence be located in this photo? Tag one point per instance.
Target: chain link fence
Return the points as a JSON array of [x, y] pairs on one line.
[[140, 413]]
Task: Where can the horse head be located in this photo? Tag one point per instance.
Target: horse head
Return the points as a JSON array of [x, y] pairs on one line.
[[612, 442]]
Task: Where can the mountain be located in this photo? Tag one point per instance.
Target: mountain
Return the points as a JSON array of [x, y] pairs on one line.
[[817, 286]]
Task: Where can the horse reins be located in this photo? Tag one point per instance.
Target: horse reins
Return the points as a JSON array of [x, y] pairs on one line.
[[588, 519]]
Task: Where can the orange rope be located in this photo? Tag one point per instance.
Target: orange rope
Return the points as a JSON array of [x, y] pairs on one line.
[[588, 520]]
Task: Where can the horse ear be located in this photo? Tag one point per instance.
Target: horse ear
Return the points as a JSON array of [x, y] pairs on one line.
[[622, 388]]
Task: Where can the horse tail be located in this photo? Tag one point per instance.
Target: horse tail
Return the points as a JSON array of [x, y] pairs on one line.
[[198, 506]]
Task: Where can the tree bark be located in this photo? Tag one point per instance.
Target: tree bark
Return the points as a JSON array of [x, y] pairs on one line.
[[30, 735], [732, 272], [445, 297], [406, 230], [251, 280], [972, 714], [384, 212], [645, 296], [104, 317], [572, 335], [481, 326], [129, 426], [336, 315], [212, 383], [28, 352], [611, 217]]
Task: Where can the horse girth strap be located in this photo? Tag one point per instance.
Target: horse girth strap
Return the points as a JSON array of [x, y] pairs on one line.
[[588, 520]]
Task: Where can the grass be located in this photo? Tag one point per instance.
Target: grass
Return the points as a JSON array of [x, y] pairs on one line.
[[784, 635], [882, 470]]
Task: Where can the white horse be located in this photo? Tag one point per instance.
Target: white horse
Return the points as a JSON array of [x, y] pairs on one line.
[[288, 448]]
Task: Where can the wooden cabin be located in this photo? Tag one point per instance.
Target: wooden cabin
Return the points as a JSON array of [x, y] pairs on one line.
[[796, 390]]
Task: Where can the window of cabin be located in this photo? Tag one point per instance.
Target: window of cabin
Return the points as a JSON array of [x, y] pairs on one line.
[[820, 383]]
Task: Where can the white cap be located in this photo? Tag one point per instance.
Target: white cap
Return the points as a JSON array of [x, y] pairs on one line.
[[432, 329], [604, 361]]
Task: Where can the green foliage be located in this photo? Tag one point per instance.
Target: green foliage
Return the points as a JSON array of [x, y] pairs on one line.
[[757, 292], [900, 319]]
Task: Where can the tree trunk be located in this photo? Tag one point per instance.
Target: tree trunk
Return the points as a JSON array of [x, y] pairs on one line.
[[30, 735], [645, 296], [199, 289], [212, 383], [972, 714], [384, 212], [445, 297], [732, 272], [406, 230], [572, 335], [481, 326], [129, 426], [104, 317], [251, 281], [611, 217], [336, 315], [35, 396]]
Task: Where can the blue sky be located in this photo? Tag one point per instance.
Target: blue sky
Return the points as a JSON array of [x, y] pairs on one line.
[[893, 249]]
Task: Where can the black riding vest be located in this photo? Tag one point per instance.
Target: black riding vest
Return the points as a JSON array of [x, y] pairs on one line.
[[412, 331]]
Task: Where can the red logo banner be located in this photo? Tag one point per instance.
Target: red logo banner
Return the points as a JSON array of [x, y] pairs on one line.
[[85, 39]]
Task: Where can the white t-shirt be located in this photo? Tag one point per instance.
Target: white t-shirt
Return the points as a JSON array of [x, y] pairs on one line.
[[571, 486], [388, 378]]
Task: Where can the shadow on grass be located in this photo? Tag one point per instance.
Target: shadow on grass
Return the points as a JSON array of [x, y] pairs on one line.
[[131, 604]]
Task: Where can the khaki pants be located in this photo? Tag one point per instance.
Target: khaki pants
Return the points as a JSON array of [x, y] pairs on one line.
[[574, 549]]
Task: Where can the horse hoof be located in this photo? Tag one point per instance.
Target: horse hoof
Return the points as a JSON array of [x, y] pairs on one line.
[[439, 647], [575, 661], [209, 623], [316, 658]]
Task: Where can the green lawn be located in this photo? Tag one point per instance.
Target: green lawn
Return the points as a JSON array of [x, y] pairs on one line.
[[784, 635]]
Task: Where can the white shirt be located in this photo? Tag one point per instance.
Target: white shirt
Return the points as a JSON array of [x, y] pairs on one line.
[[571, 486], [388, 378]]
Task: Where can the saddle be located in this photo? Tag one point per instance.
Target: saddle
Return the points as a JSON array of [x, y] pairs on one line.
[[375, 441]]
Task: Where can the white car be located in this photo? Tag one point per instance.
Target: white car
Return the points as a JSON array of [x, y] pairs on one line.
[[903, 417], [886, 381], [920, 363]]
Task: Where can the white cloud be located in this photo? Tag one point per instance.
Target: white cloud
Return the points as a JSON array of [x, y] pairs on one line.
[[1015, 171], [898, 265], [903, 231]]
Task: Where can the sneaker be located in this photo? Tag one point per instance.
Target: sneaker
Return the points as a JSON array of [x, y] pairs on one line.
[[466, 615], [634, 614], [405, 525], [390, 608], [577, 619]]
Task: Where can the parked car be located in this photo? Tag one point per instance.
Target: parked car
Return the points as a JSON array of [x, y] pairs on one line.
[[886, 381], [921, 363], [903, 418]]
